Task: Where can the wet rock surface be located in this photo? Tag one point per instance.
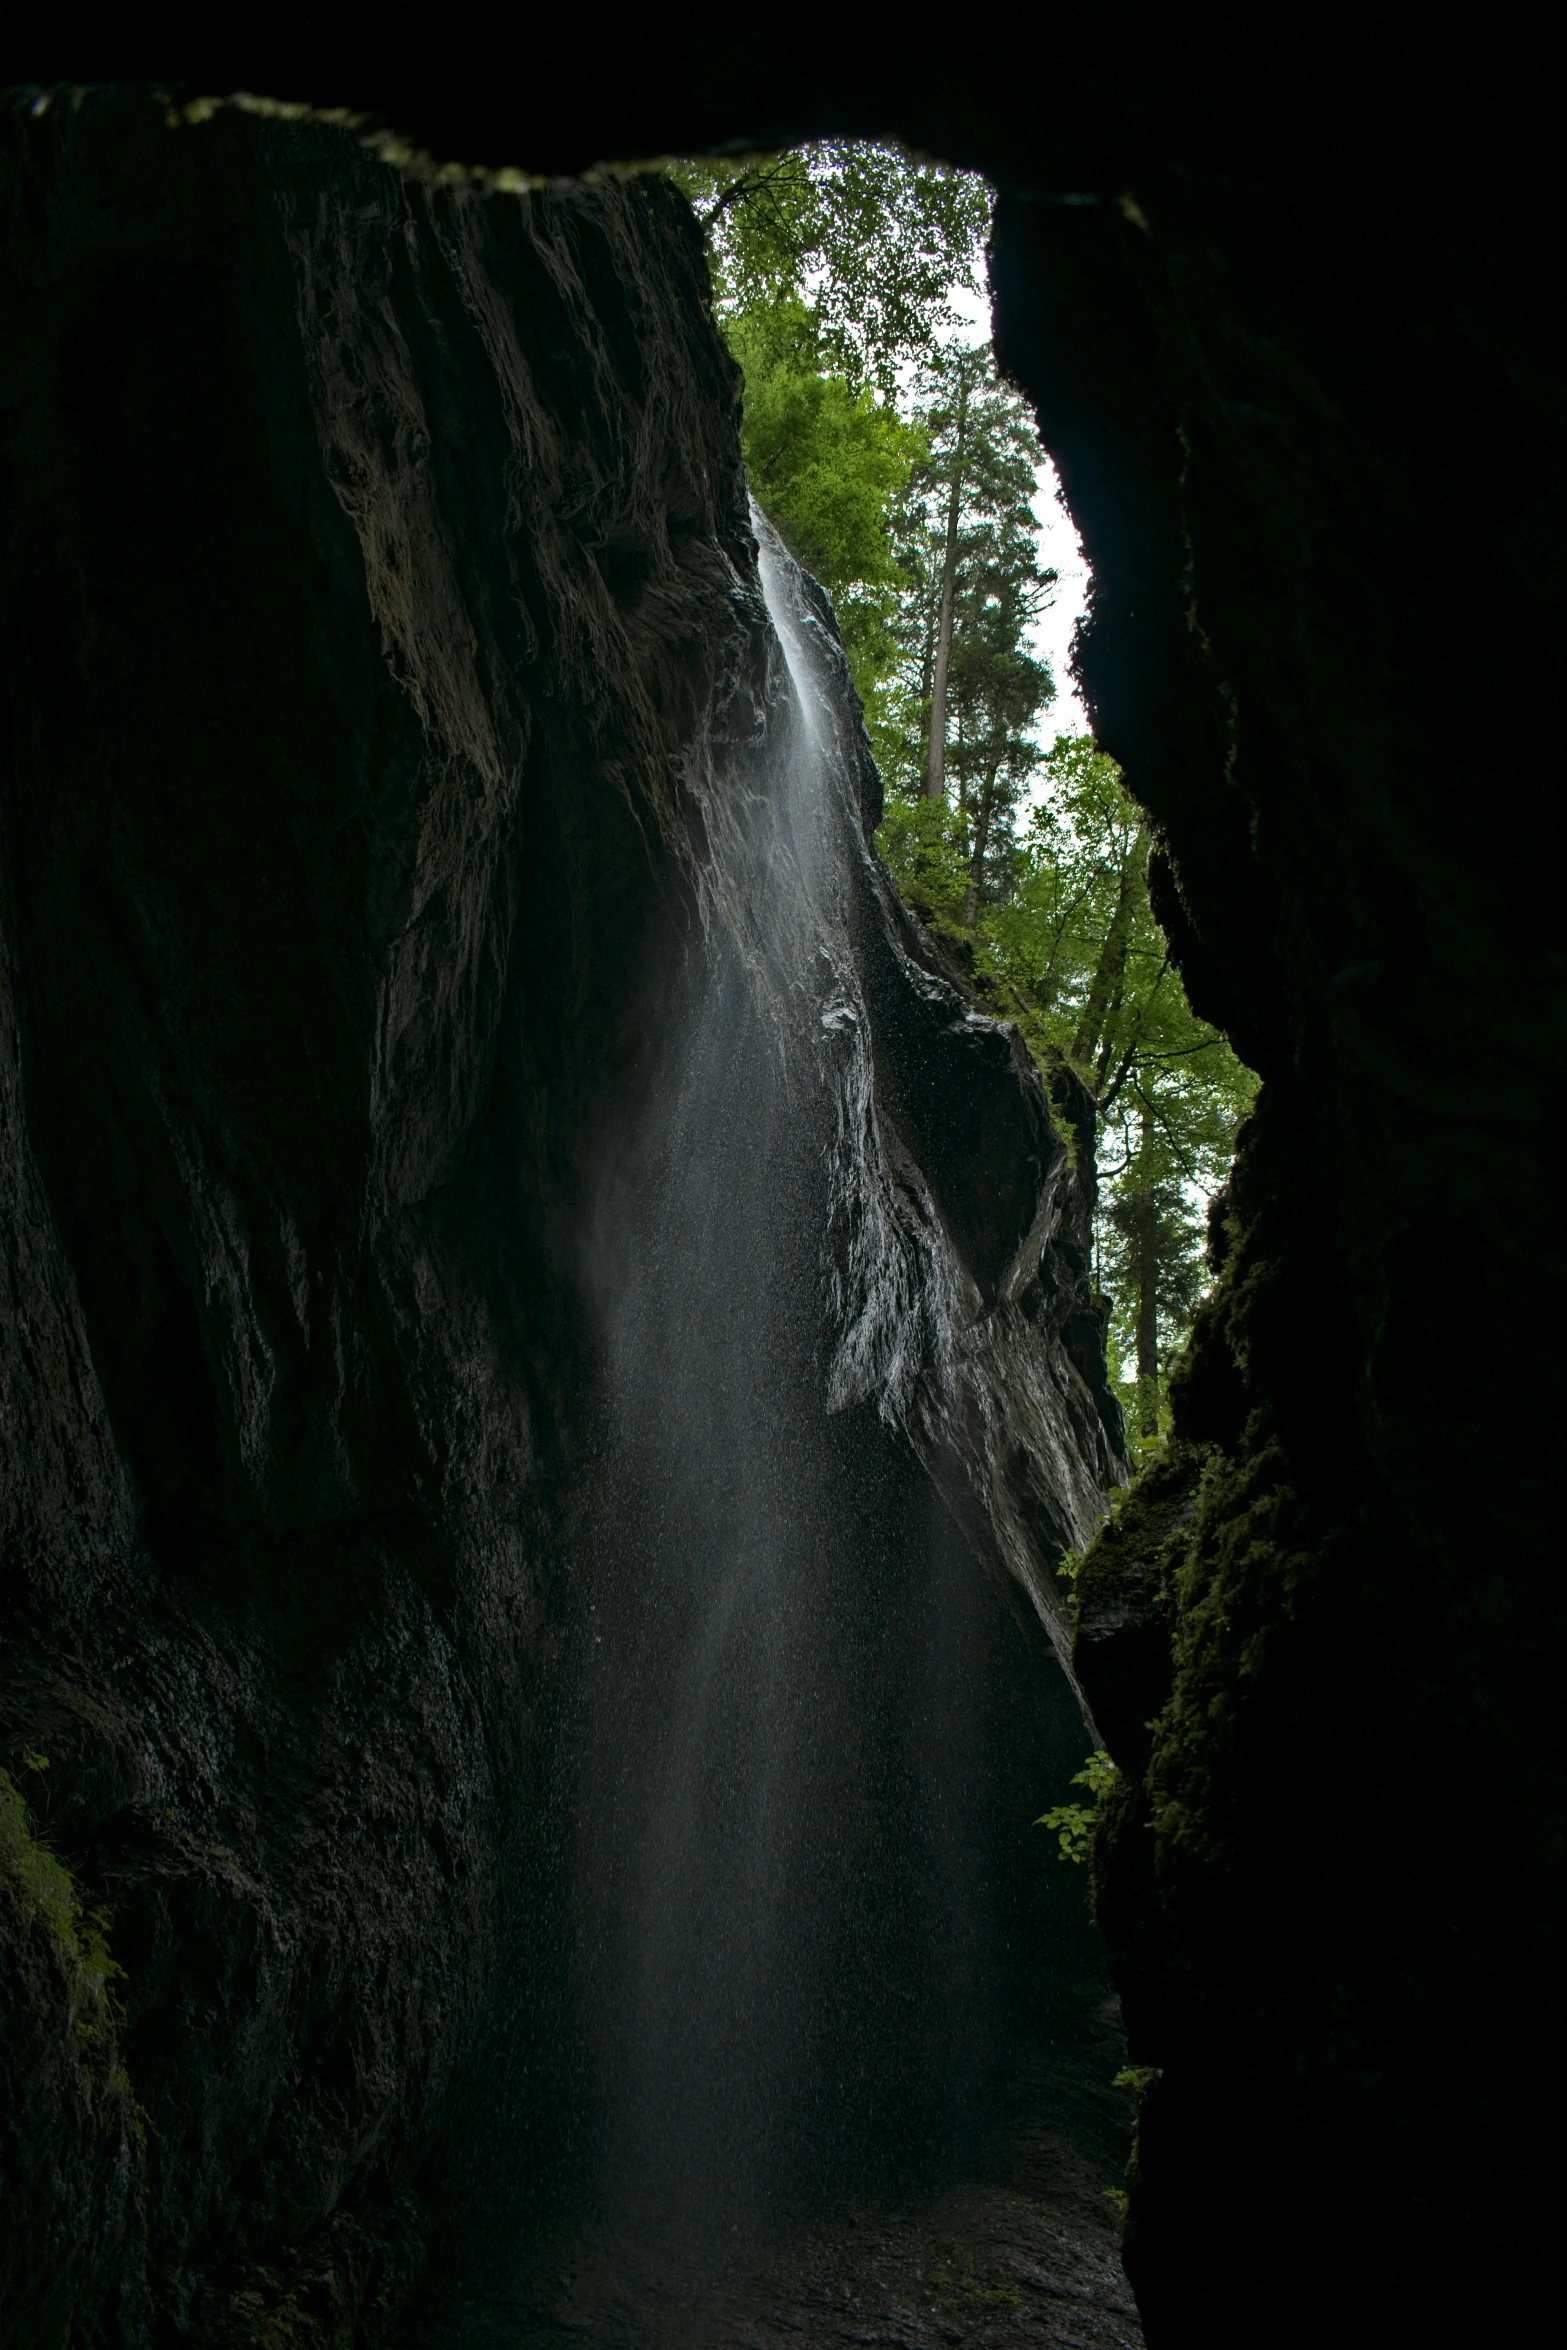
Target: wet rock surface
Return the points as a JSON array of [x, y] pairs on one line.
[[1302, 1637], [332, 758], [978, 2265]]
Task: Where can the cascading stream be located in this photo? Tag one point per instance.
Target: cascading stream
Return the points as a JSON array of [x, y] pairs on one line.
[[787, 1968], [743, 1773]]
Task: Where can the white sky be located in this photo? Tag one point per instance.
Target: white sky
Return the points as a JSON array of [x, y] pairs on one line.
[[1059, 550]]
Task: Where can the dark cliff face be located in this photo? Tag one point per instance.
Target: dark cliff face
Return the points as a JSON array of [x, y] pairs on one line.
[[1317, 1641], [369, 558], [376, 559]]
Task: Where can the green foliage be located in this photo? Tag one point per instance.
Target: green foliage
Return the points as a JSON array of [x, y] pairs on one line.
[[827, 462], [833, 270], [968, 553], [1073, 1823], [902, 473], [830, 466], [1065, 943], [875, 243], [925, 843]]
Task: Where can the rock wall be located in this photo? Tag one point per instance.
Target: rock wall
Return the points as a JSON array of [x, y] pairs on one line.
[[369, 555], [1317, 1642], [376, 566]]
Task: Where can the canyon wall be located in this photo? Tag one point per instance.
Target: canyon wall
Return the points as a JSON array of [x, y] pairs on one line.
[[1282, 288], [380, 605], [1300, 447]]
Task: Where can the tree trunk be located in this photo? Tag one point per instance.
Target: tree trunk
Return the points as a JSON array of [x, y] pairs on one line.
[[928, 650], [1148, 1322], [1108, 978], [936, 765], [976, 870]]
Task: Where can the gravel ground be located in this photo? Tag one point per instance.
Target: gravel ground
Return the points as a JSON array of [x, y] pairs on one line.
[[1027, 2253]]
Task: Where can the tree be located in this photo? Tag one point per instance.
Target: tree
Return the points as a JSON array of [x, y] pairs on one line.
[[1087, 969], [1070, 950], [1153, 1260], [998, 689], [901, 472], [892, 463], [830, 467], [947, 576], [833, 267], [967, 540], [875, 244]]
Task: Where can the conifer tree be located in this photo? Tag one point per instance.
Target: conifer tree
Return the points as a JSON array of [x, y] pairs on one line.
[[972, 586], [1065, 944], [901, 472]]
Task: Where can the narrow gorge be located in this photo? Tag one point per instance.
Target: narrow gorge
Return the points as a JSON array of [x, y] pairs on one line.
[[547, 1351], [559, 1346]]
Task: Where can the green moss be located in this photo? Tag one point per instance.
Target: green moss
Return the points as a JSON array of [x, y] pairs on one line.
[[1236, 1588], [1138, 2079], [49, 1893], [1187, 1600], [1208, 1538], [1146, 1534]]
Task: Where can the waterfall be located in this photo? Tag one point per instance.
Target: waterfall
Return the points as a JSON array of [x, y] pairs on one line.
[[786, 1949]]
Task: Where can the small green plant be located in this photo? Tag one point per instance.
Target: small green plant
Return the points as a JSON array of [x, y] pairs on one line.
[[1119, 2197], [1139, 2078], [1073, 1822]]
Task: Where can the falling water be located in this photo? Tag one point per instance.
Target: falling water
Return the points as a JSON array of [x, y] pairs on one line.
[[785, 1940], [734, 1778]]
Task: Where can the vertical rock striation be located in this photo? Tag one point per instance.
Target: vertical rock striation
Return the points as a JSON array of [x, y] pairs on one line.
[[369, 555]]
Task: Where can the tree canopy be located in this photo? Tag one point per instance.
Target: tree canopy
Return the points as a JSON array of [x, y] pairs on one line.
[[1064, 942], [875, 243], [834, 270], [902, 471], [830, 465]]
